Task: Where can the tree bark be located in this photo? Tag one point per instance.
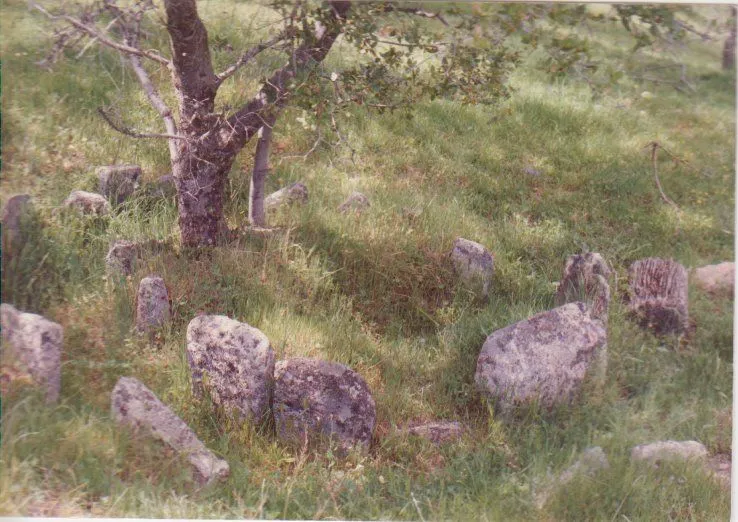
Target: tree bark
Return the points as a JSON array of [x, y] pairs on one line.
[[658, 295], [257, 216], [729, 47]]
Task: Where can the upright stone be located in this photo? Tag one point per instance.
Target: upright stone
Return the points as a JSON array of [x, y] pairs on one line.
[[716, 279], [543, 359], [87, 203], [658, 295], [295, 193], [121, 258], [238, 362], [134, 405], [585, 279], [36, 343], [118, 182], [322, 403], [152, 304], [16, 210], [474, 265], [356, 202]]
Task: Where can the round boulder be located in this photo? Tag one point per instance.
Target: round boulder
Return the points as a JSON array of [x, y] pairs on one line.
[[88, 203]]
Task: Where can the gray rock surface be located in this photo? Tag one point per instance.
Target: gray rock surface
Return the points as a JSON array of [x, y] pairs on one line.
[[321, 402], [716, 279], [585, 279], [655, 452], [295, 193], [36, 343], [121, 258], [658, 295], [118, 182], [238, 361], [474, 265], [439, 432], [87, 203], [542, 359], [152, 304], [134, 405], [14, 212], [356, 202]]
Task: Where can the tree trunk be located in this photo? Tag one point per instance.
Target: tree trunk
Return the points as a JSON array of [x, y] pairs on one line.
[[658, 295], [729, 47], [257, 216]]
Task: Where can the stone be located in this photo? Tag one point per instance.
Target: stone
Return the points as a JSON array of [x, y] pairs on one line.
[[234, 362], [152, 304], [118, 182], [439, 432], [295, 193], [87, 203], [543, 359], [585, 279], [356, 202], [657, 452], [659, 295], [716, 279], [590, 462], [322, 403], [134, 405], [121, 258], [166, 186], [15, 211], [36, 343], [474, 265]]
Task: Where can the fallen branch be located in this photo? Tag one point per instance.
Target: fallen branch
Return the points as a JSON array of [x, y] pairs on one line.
[[135, 134], [655, 146]]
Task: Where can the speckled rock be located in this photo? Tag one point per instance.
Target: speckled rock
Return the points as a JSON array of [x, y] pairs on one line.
[[322, 403], [658, 295], [238, 361], [152, 304], [36, 343], [542, 359], [121, 258], [439, 432], [14, 211], [87, 203], [134, 405], [474, 265], [656, 452], [716, 279], [295, 193], [118, 182], [356, 202], [585, 279]]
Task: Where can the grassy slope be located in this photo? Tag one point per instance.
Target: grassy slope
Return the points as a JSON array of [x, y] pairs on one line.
[[375, 292]]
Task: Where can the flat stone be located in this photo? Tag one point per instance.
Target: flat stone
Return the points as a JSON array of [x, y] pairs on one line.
[[439, 432], [585, 279], [36, 343], [295, 193], [716, 279], [322, 403], [121, 258], [88, 203], [152, 304], [134, 405], [238, 362], [118, 182], [474, 265], [356, 202], [656, 452], [543, 359]]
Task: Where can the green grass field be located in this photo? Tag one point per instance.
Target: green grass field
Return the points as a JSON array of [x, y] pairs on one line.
[[376, 292]]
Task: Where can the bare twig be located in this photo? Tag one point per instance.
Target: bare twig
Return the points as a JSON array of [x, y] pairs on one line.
[[655, 146], [416, 11], [249, 55], [135, 134]]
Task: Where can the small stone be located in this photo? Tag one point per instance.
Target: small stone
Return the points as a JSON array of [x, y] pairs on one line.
[[295, 193], [590, 462], [234, 361], [134, 405], [543, 359], [716, 279], [17, 209], [658, 295], [585, 279], [656, 452], [121, 258], [36, 343], [356, 202], [440, 432], [87, 203], [118, 182], [321, 402], [474, 265], [152, 306]]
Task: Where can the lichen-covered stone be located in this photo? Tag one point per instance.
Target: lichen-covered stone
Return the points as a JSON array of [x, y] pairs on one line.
[[14, 212], [36, 343], [543, 359], [152, 304], [716, 279], [585, 279], [87, 203], [474, 265], [295, 193], [134, 405], [356, 202], [322, 403], [439, 432], [656, 452], [658, 297], [234, 361], [118, 182], [121, 258]]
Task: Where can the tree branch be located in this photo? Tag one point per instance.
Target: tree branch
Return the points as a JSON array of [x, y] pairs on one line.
[[249, 55], [135, 134], [415, 11]]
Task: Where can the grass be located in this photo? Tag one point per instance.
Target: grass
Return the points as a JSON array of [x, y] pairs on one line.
[[376, 292]]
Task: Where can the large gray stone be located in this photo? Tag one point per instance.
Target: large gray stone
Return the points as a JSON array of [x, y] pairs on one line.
[[152, 304], [295, 193], [585, 279], [356, 202], [134, 405], [322, 403], [87, 203], [474, 265], [542, 359], [118, 182], [716, 279], [656, 452], [234, 362], [36, 343], [121, 258]]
